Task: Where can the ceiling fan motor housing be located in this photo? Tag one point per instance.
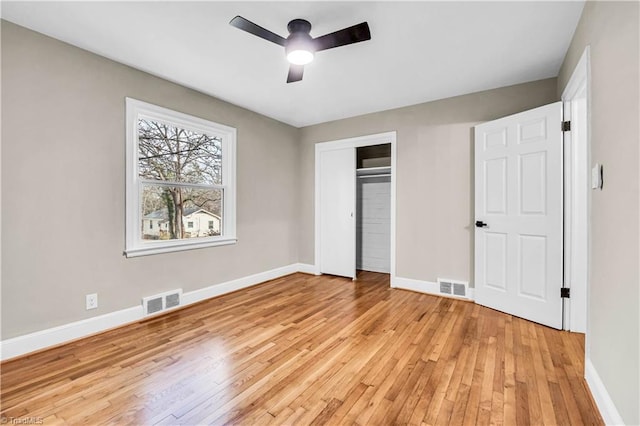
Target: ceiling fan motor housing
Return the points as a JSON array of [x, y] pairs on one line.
[[299, 41], [299, 26], [299, 37]]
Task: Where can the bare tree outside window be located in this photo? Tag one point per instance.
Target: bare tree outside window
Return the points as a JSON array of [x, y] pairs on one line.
[[181, 174]]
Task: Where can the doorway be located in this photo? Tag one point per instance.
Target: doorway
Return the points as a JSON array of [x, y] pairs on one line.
[[373, 208], [336, 197], [575, 205]]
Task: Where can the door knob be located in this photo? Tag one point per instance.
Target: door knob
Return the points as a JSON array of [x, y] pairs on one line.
[[480, 224]]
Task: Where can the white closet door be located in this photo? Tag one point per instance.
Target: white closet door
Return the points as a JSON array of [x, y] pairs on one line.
[[337, 207]]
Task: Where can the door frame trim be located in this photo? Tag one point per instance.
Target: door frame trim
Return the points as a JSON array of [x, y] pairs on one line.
[[577, 198], [353, 143]]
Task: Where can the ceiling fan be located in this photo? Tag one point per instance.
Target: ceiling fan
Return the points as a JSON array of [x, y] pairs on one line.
[[300, 47]]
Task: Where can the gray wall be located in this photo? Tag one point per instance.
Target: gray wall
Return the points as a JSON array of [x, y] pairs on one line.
[[434, 197], [611, 29], [63, 181]]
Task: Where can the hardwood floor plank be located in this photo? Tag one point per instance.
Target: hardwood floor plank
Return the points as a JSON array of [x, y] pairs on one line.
[[533, 386], [359, 405], [460, 405], [522, 403], [486, 387], [438, 396], [475, 382], [509, 385], [401, 405], [327, 412], [310, 350], [542, 377], [422, 393], [354, 394]]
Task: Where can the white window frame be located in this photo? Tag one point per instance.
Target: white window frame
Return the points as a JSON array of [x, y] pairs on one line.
[[135, 245]]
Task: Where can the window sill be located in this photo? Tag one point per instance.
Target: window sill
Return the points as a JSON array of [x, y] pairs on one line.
[[173, 246]]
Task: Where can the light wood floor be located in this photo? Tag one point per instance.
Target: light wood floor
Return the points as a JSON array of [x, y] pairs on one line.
[[311, 350]]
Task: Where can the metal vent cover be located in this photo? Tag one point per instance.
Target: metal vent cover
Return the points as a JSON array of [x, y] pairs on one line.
[[453, 287], [445, 287], [172, 300], [459, 289], [154, 305], [162, 302]]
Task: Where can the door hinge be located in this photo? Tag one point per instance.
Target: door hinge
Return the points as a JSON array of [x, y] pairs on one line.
[[565, 292], [566, 126]]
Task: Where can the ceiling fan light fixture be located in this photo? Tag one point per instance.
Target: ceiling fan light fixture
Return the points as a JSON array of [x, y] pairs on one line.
[[299, 48], [300, 57]]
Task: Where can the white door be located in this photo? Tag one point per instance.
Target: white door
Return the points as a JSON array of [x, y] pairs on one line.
[[337, 207], [518, 212]]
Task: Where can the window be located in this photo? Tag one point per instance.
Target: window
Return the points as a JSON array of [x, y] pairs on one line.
[[178, 166], [210, 224]]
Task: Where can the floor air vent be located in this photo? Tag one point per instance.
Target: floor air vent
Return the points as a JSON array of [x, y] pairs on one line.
[[453, 287], [161, 302]]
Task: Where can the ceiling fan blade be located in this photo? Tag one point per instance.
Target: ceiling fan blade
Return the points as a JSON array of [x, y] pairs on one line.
[[257, 30], [295, 73], [354, 34]]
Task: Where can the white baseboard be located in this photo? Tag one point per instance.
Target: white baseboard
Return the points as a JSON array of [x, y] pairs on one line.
[[427, 287], [234, 285], [31, 342], [603, 400], [307, 269], [415, 285], [21, 345], [471, 292]]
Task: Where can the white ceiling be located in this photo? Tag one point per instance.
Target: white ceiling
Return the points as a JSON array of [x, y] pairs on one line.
[[418, 52]]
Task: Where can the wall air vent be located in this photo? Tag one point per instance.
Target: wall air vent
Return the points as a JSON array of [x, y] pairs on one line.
[[152, 305], [162, 302], [453, 288], [459, 289], [445, 287], [172, 300]]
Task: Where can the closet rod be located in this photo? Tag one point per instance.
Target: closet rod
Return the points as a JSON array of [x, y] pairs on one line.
[[374, 176]]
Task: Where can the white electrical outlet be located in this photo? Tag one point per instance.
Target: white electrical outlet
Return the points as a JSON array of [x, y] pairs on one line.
[[92, 301]]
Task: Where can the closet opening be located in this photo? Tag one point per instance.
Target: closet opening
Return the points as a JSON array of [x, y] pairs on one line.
[[373, 208], [352, 177]]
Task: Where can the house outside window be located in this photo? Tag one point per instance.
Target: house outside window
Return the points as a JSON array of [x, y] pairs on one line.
[[180, 172]]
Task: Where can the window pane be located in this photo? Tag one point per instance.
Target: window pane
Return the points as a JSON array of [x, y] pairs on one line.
[[174, 213], [170, 153]]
